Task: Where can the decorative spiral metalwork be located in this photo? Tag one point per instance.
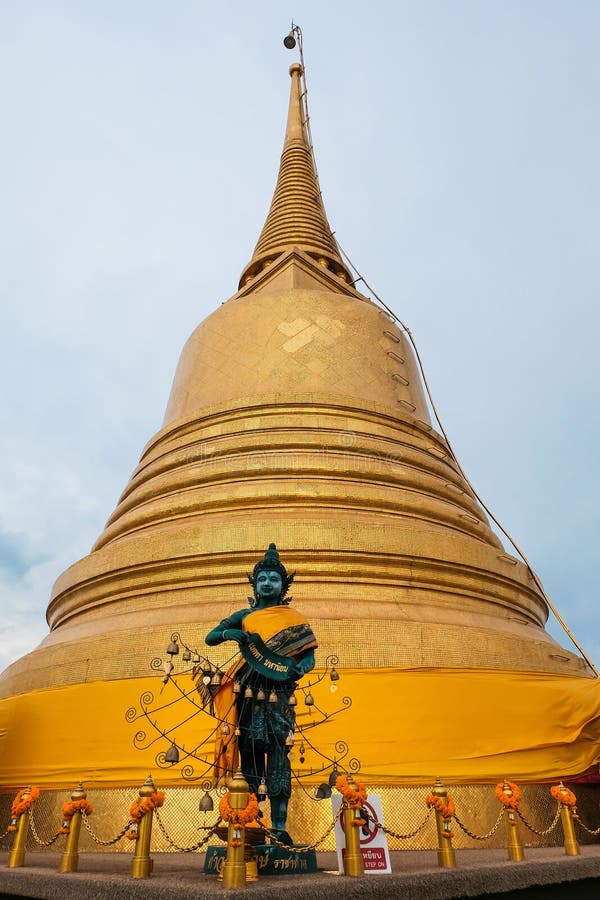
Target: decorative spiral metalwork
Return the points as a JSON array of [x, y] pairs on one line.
[[195, 767], [146, 699], [139, 739], [342, 749]]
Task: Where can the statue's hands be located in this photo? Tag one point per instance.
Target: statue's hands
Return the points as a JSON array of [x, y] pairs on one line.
[[235, 634], [303, 666], [298, 671]]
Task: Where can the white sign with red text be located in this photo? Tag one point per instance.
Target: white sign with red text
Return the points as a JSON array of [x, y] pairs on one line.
[[373, 841]]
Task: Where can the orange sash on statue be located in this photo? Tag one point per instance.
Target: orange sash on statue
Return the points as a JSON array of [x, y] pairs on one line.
[[270, 624]]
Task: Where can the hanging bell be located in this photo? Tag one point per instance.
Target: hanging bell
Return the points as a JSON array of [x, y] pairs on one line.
[[334, 675], [302, 749], [333, 777], [262, 788], [173, 648], [248, 695], [237, 834], [195, 658], [273, 697], [172, 755], [289, 741], [187, 655], [237, 732], [292, 701], [323, 791], [289, 41], [206, 803], [260, 694], [309, 700], [236, 686], [215, 681], [225, 730]]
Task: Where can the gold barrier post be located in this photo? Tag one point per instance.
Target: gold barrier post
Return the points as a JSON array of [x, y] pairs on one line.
[[70, 858], [446, 855], [234, 867], [141, 864], [354, 864], [571, 843], [514, 844], [353, 859], [17, 854]]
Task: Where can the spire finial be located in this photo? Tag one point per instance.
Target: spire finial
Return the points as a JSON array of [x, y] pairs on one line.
[[295, 125], [297, 216]]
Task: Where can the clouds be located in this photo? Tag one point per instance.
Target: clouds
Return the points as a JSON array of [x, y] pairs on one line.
[[16, 556], [457, 147]]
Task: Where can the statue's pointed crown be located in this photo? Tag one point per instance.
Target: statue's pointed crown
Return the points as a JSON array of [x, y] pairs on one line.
[[271, 563], [297, 216]]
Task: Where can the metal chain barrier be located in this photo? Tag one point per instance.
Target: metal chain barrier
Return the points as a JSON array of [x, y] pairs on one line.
[[480, 837], [394, 834], [535, 830], [96, 838], [197, 846], [35, 834], [310, 847], [578, 821]]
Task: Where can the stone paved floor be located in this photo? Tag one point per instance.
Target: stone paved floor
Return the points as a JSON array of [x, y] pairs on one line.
[[415, 876]]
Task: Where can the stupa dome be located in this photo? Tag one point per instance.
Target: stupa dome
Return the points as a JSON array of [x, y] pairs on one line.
[[298, 415], [296, 339]]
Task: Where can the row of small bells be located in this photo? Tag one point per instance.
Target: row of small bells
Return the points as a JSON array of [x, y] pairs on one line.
[[213, 677]]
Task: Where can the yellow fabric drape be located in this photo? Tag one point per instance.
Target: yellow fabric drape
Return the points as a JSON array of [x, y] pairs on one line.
[[405, 726]]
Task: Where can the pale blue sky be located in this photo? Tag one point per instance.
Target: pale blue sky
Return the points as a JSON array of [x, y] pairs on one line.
[[458, 146]]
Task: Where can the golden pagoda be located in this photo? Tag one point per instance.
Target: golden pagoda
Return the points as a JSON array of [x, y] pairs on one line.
[[298, 415]]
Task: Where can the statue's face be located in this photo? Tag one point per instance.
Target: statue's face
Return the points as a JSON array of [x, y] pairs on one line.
[[269, 586]]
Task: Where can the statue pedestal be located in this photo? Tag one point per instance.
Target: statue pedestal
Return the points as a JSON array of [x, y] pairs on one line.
[[270, 860]]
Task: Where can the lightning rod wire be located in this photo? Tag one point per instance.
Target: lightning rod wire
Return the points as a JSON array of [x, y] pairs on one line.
[[298, 32]]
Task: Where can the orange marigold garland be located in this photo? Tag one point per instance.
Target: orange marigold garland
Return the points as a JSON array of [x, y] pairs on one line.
[[505, 799], [139, 808], [447, 809], [355, 796], [563, 795], [69, 808], [243, 816], [21, 804]]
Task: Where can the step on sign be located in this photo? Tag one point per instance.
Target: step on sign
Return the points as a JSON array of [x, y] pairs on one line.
[[373, 841]]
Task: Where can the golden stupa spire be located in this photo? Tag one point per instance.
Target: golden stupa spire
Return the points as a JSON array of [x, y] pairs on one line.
[[297, 216]]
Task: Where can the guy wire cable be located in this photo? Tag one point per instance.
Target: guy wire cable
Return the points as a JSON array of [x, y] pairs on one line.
[[504, 531], [298, 32]]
